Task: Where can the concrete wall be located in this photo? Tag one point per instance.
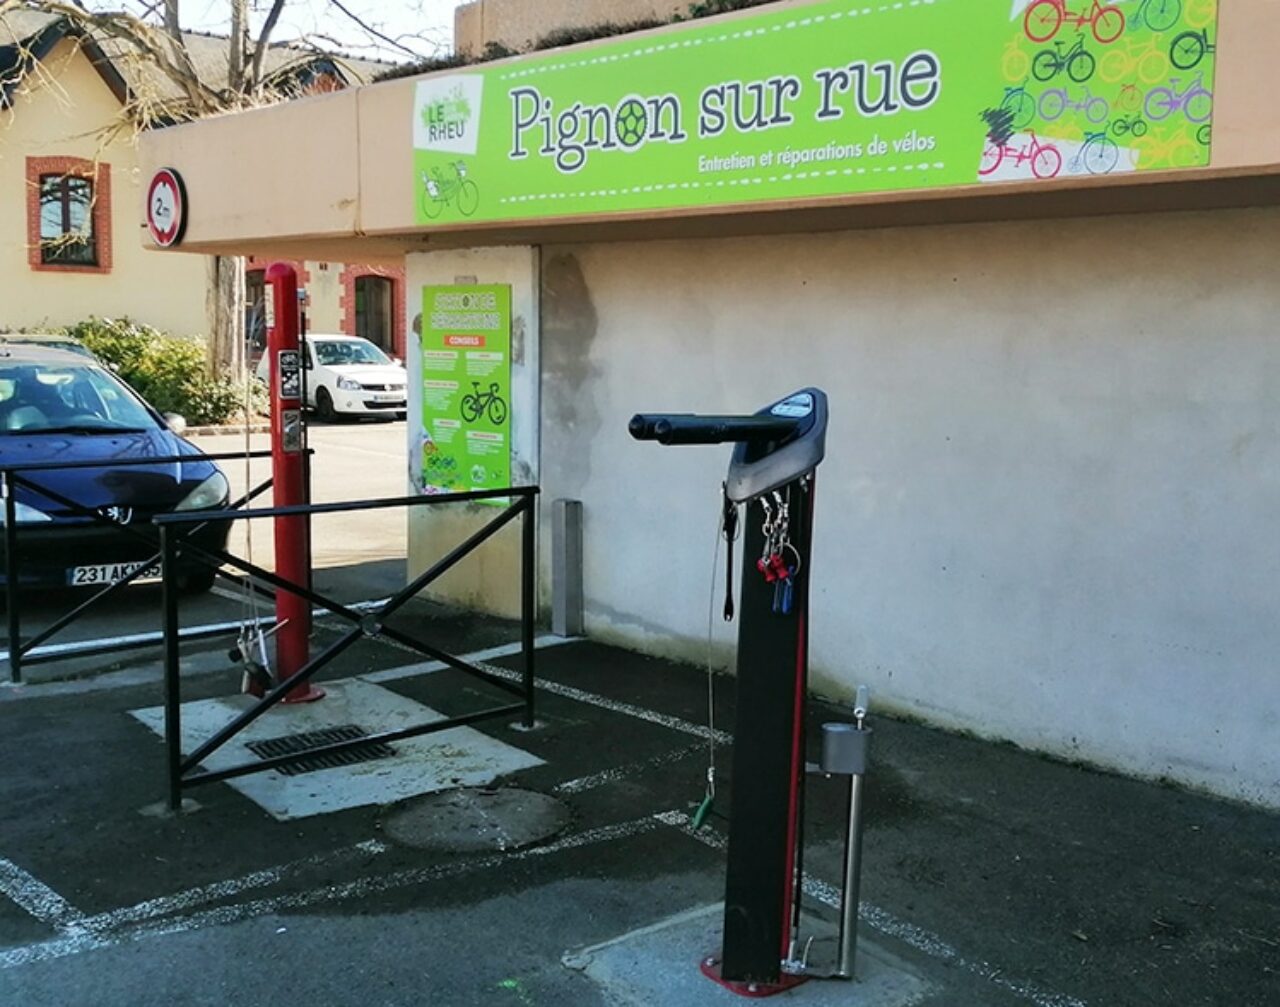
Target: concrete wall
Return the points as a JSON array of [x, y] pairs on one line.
[[517, 24], [64, 120], [1049, 508]]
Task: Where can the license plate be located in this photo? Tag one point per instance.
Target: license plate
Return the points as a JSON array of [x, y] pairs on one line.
[[108, 573], [389, 398]]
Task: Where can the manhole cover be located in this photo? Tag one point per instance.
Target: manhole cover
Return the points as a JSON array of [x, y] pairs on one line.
[[476, 820], [300, 744]]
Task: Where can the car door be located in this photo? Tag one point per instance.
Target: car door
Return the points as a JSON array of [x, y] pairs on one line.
[[311, 379]]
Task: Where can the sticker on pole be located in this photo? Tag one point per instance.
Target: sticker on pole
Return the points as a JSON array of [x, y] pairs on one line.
[[290, 374], [166, 208], [291, 430]]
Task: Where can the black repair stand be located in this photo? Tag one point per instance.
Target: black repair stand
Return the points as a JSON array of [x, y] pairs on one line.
[[768, 758], [777, 451]]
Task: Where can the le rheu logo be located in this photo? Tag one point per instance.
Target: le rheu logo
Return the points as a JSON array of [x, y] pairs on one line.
[[448, 113], [447, 118]]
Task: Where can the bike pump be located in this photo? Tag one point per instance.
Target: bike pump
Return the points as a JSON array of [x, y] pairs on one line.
[[771, 474], [846, 751]]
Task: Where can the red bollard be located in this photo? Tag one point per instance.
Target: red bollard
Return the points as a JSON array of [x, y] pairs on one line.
[[288, 469]]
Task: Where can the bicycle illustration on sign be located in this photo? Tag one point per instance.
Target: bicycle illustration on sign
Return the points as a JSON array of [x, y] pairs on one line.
[[1058, 100], [1045, 18], [1194, 101], [1045, 159], [1099, 156], [1096, 86], [1161, 15], [445, 186], [1077, 62], [480, 403], [1189, 48]]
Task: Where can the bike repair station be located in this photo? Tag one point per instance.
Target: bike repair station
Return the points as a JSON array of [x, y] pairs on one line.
[[994, 244]]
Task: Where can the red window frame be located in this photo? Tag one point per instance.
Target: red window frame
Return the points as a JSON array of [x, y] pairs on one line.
[[98, 175]]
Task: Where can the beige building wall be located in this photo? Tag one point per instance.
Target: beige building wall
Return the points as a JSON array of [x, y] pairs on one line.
[[63, 118], [517, 24], [1048, 508], [324, 289]]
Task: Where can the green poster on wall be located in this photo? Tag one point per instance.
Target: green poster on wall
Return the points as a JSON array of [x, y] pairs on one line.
[[466, 388], [828, 98]]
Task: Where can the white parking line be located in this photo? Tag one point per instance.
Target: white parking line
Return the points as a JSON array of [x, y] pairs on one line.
[[889, 925], [168, 905], [607, 776], [475, 657], [31, 894], [593, 699], [375, 884]]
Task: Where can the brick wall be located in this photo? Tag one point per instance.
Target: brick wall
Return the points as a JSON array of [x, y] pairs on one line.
[[347, 301], [76, 167]]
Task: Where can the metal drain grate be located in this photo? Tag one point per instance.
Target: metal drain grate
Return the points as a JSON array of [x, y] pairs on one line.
[[300, 744]]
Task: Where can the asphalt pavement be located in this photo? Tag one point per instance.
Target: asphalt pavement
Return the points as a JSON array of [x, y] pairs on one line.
[[992, 876]]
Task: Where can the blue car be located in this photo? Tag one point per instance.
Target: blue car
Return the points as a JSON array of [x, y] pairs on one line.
[[60, 406]]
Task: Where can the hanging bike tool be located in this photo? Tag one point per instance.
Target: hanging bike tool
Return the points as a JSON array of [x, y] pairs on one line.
[[772, 471]]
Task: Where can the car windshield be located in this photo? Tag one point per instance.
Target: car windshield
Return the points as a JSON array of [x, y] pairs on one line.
[[49, 342], [63, 398], [339, 352]]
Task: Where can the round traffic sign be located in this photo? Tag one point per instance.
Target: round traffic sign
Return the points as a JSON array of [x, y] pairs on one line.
[[166, 207]]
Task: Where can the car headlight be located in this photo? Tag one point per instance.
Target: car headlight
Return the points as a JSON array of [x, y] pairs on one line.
[[25, 514], [211, 493], [349, 384]]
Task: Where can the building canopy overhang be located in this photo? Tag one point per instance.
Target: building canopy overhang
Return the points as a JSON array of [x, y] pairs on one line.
[[346, 174]]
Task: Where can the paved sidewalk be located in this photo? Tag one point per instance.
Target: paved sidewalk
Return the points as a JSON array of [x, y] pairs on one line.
[[992, 876]]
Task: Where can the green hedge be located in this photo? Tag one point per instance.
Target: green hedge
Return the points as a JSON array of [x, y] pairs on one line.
[[168, 371]]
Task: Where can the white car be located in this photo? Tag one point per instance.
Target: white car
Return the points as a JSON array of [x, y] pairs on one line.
[[347, 375]]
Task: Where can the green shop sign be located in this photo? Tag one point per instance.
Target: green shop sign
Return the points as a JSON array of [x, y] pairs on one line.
[[465, 441], [821, 99]]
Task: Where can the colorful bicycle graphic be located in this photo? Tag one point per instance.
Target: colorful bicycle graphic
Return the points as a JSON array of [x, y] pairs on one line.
[[1161, 15], [1045, 18], [1190, 48], [479, 403], [1145, 61], [1134, 126], [1129, 99], [1099, 155], [1077, 62], [1057, 100], [1175, 149], [1020, 105], [443, 187], [1015, 63], [1045, 158], [1195, 101]]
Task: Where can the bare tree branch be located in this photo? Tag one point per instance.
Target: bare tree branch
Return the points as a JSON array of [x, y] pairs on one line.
[[264, 39], [371, 30], [173, 29], [236, 50]]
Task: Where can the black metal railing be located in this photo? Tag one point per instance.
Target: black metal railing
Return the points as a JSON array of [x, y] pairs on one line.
[[176, 546], [14, 477]]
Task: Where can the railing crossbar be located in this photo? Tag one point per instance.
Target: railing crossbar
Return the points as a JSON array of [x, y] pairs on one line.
[[49, 632], [350, 507], [456, 663], [360, 624]]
